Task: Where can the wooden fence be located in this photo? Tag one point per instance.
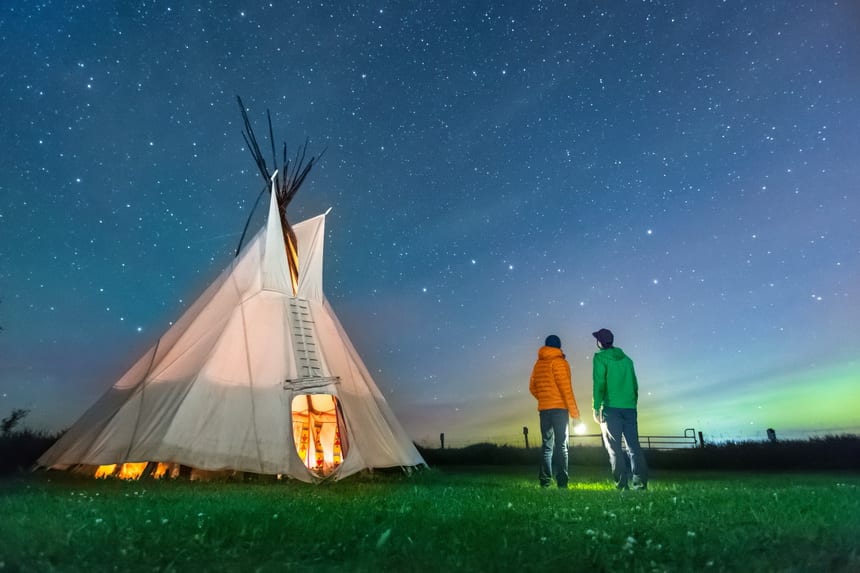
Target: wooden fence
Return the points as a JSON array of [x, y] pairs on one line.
[[688, 440]]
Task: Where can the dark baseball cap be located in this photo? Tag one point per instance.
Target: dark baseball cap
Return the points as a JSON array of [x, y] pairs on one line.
[[604, 336]]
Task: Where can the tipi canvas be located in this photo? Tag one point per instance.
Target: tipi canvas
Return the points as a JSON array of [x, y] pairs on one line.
[[257, 376]]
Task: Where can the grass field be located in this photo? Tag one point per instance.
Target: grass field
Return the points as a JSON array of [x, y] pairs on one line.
[[463, 519]]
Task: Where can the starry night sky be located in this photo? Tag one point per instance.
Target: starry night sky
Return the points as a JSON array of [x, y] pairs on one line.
[[684, 173]]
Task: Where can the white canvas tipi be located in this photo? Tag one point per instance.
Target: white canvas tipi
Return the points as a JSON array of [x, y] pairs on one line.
[[252, 378]]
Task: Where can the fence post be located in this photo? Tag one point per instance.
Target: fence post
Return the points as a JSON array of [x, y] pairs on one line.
[[526, 435], [442, 440], [701, 440]]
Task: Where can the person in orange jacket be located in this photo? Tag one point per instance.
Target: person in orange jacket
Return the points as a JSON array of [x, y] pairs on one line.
[[550, 384]]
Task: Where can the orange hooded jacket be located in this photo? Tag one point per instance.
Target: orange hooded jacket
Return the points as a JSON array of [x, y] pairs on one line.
[[550, 382]]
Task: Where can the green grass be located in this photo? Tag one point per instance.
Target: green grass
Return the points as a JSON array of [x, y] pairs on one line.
[[464, 519]]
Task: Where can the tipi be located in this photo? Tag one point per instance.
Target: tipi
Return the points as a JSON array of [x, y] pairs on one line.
[[257, 376]]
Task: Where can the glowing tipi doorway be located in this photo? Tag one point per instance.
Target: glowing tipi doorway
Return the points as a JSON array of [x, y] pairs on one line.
[[319, 432]]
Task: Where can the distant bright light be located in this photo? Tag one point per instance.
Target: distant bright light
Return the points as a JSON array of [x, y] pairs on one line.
[[579, 429]]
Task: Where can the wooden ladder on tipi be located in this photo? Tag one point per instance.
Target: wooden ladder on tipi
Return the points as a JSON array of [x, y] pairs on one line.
[[306, 349]]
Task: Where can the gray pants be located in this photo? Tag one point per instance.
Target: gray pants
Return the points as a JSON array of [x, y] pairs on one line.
[[553, 432], [618, 423]]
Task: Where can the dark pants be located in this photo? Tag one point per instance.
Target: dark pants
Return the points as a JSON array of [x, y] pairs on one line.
[[622, 422], [553, 433]]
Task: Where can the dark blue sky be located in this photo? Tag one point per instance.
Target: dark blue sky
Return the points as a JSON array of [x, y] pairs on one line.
[[684, 173]]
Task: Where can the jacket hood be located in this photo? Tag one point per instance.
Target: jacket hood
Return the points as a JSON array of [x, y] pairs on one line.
[[613, 353], [548, 352]]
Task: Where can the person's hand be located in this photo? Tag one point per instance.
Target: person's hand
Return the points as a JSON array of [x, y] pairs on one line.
[[575, 422], [598, 416]]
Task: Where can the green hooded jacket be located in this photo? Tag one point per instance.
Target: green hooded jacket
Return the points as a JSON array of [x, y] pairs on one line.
[[615, 384]]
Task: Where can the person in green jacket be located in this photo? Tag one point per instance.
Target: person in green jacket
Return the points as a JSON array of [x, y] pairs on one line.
[[616, 392]]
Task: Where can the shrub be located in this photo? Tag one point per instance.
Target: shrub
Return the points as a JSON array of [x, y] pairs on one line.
[[20, 450]]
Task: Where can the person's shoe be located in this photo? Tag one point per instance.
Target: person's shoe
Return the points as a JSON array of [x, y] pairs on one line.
[[640, 485]]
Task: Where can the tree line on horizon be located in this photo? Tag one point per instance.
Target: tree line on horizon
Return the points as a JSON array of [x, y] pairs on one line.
[[20, 447]]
